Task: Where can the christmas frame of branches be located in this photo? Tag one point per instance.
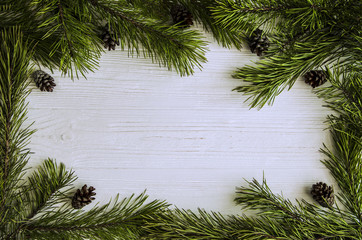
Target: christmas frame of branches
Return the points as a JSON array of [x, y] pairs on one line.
[[317, 39]]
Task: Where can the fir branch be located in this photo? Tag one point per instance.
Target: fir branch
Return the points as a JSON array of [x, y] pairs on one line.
[[74, 37], [345, 98], [202, 12], [170, 46], [185, 224], [118, 220], [14, 71], [259, 197], [247, 15], [270, 76], [344, 164], [43, 187], [201, 225], [303, 221], [310, 35], [65, 34]]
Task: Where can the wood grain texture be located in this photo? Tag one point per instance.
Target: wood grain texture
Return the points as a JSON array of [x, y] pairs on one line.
[[133, 126]]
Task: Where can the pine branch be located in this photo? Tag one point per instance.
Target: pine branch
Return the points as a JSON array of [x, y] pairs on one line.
[[185, 224], [280, 15], [345, 98], [44, 187], [309, 33], [317, 224], [14, 71], [202, 13], [118, 220], [259, 197], [75, 37], [303, 220], [270, 76], [277, 218], [65, 34], [40, 193], [170, 46], [247, 15], [344, 164]]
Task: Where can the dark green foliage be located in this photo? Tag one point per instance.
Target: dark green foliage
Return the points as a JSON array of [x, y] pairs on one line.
[[38, 207], [119, 219], [14, 70], [344, 96], [202, 13], [64, 34], [305, 35]]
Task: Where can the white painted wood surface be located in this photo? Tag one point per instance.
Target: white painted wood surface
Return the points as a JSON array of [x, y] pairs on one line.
[[133, 126]]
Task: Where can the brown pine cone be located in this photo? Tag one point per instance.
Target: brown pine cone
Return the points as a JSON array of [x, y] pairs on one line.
[[83, 197], [258, 42], [323, 194], [315, 78], [182, 16], [43, 80]]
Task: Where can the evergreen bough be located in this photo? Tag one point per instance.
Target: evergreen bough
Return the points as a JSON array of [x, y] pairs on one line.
[[305, 35]]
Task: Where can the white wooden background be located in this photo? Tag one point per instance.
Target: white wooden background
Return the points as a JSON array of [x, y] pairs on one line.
[[133, 126]]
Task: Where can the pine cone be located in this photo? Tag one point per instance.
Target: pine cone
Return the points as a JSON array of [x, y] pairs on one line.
[[109, 38], [315, 78], [258, 42], [323, 194], [43, 80], [182, 16], [83, 197]]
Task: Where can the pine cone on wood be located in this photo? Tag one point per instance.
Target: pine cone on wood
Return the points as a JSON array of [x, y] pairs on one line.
[[181, 15], [43, 80], [315, 78], [258, 42], [323, 194], [83, 197]]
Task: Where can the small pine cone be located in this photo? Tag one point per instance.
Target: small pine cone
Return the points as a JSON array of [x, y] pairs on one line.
[[315, 78], [258, 42], [83, 197], [180, 15], [323, 194], [109, 38], [43, 80]]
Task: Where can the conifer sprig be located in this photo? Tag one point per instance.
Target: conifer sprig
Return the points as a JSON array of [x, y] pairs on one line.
[[170, 46], [270, 76], [345, 156], [65, 34], [202, 12], [344, 97], [305, 35], [39, 207], [118, 219], [14, 71]]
